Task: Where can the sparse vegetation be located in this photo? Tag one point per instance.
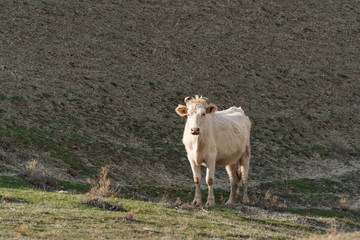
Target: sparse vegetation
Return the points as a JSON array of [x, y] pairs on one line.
[[100, 203], [56, 213], [38, 177], [344, 204], [129, 216], [22, 229], [102, 188]]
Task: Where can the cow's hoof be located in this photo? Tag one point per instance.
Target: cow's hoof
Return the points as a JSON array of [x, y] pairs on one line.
[[246, 200], [209, 204], [196, 203], [230, 202]]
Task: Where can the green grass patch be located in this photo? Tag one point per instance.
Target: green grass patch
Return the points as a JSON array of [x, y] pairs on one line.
[[114, 84], [323, 213], [157, 193], [11, 182], [4, 169], [49, 141], [16, 98], [78, 187], [172, 194], [48, 215], [304, 185]]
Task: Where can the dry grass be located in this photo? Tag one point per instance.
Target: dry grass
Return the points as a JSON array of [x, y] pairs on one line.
[[38, 177], [267, 200], [272, 202], [103, 204], [8, 199], [5, 157], [254, 199], [178, 204], [129, 216], [30, 167], [344, 204], [4, 198], [71, 171], [332, 230], [22, 229], [103, 187]]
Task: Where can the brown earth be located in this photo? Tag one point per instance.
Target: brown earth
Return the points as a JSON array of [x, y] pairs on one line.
[[85, 84]]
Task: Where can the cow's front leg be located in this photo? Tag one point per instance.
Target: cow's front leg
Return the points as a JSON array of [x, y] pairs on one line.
[[197, 178], [210, 174]]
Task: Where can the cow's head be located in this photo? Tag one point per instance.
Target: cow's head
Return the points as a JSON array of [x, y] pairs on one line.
[[197, 109]]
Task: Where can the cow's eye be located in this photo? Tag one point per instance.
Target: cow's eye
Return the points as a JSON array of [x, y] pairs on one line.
[[203, 114]]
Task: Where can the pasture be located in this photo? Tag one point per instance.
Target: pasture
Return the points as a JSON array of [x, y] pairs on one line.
[[91, 84], [28, 213]]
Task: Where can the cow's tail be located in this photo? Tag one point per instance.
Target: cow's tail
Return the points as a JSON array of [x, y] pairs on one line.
[[238, 174]]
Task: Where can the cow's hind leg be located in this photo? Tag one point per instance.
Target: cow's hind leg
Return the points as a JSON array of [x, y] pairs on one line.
[[231, 170], [243, 173]]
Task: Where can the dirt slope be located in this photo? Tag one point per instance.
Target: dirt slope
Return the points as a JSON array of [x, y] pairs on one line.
[[85, 84]]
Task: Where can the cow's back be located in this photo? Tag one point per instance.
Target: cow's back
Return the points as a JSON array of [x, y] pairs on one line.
[[231, 131]]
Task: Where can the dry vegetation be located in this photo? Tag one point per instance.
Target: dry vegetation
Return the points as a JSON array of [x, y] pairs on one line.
[[103, 187], [38, 176], [22, 229]]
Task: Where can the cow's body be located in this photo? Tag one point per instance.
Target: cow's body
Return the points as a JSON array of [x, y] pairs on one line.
[[214, 138]]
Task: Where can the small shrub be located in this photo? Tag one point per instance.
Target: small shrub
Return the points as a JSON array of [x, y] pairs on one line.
[[22, 229], [103, 187], [178, 204], [100, 203], [332, 229], [71, 171], [4, 198], [31, 166], [5, 144], [272, 202], [344, 204], [129, 216], [254, 199], [268, 195], [4, 157], [38, 177]]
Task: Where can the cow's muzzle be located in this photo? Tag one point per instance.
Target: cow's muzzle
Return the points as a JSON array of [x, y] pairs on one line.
[[195, 131]]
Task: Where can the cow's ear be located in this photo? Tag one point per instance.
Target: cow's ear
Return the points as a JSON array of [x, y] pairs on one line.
[[181, 110], [211, 109]]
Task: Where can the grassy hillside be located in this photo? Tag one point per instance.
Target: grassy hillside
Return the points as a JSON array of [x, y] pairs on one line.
[[86, 84], [34, 214]]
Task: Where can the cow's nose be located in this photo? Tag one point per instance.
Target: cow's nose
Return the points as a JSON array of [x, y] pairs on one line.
[[195, 131]]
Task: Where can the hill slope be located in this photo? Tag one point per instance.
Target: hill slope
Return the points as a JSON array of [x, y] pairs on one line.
[[86, 84]]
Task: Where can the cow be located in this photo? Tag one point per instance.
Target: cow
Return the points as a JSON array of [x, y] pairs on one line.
[[216, 138]]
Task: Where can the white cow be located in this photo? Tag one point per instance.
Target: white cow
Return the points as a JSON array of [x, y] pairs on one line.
[[214, 138]]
